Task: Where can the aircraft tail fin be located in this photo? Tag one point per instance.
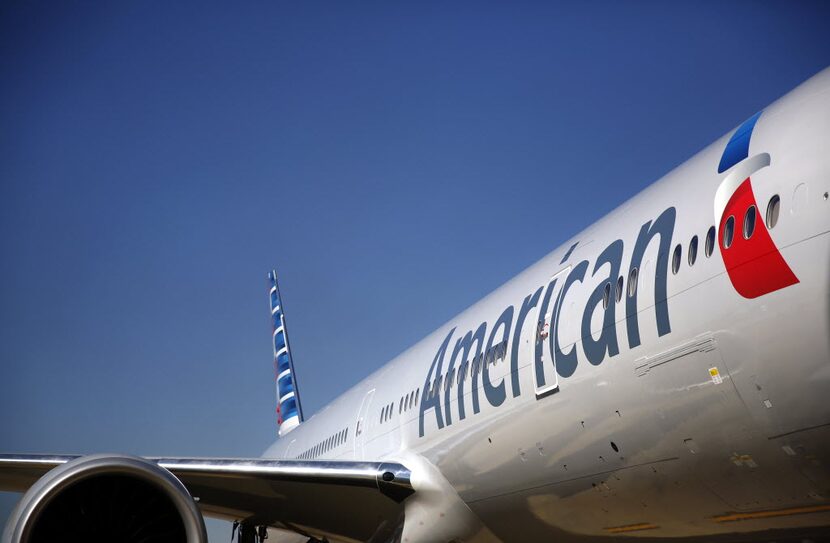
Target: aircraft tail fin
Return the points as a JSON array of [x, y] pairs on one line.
[[289, 409]]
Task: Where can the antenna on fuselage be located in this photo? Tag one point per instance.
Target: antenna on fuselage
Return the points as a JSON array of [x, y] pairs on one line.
[[289, 408]]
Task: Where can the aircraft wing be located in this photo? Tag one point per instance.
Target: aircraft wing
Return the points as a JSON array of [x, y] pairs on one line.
[[355, 499]]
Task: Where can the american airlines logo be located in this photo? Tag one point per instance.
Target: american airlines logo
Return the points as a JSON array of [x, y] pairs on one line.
[[753, 263], [466, 353]]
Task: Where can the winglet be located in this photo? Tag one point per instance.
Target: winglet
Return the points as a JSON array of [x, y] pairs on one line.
[[289, 409]]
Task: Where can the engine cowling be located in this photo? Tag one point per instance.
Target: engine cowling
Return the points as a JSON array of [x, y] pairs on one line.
[[107, 497]]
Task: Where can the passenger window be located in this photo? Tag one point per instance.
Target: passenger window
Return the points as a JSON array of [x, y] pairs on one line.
[[400, 406], [675, 259], [619, 288], [749, 222], [772, 211], [606, 295], [692, 251], [710, 242], [417, 395], [632, 282], [728, 232]]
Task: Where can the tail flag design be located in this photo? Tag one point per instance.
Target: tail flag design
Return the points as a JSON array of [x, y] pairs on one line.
[[289, 410]]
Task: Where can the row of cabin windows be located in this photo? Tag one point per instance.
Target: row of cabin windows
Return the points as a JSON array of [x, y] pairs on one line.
[[386, 412], [326, 445], [728, 234], [773, 212], [494, 354], [408, 401]]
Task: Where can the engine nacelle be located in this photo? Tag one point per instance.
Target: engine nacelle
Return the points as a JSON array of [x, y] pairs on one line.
[[107, 497]]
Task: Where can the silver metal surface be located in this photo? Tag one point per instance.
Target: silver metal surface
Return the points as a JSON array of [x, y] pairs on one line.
[[65, 471], [27, 468]]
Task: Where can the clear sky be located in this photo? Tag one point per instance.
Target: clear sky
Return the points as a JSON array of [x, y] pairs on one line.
[[395, 162]]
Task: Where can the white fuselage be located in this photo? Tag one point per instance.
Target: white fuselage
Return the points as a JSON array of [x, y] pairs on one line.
[[685, 408]]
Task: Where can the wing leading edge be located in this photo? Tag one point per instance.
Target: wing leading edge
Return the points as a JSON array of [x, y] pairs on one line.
[[358, 500]]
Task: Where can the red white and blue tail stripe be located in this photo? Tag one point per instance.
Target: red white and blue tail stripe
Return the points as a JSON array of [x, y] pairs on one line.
[[289, 410]]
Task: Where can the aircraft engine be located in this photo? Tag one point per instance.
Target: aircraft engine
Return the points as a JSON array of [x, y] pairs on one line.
[[107, 498]]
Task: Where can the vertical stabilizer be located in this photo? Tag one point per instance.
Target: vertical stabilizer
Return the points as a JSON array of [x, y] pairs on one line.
[[289, 410]]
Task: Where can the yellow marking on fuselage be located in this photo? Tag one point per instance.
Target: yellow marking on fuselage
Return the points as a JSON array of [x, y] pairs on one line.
[[734, 517], [631, 528]]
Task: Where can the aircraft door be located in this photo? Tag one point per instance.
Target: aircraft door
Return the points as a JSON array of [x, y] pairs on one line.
[[362, 425], [287, 453], [545, 378]]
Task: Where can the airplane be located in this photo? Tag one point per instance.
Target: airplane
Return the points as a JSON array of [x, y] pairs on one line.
[[663, 375]]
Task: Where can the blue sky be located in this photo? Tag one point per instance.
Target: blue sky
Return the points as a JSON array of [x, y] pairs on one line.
[[395, 162]]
